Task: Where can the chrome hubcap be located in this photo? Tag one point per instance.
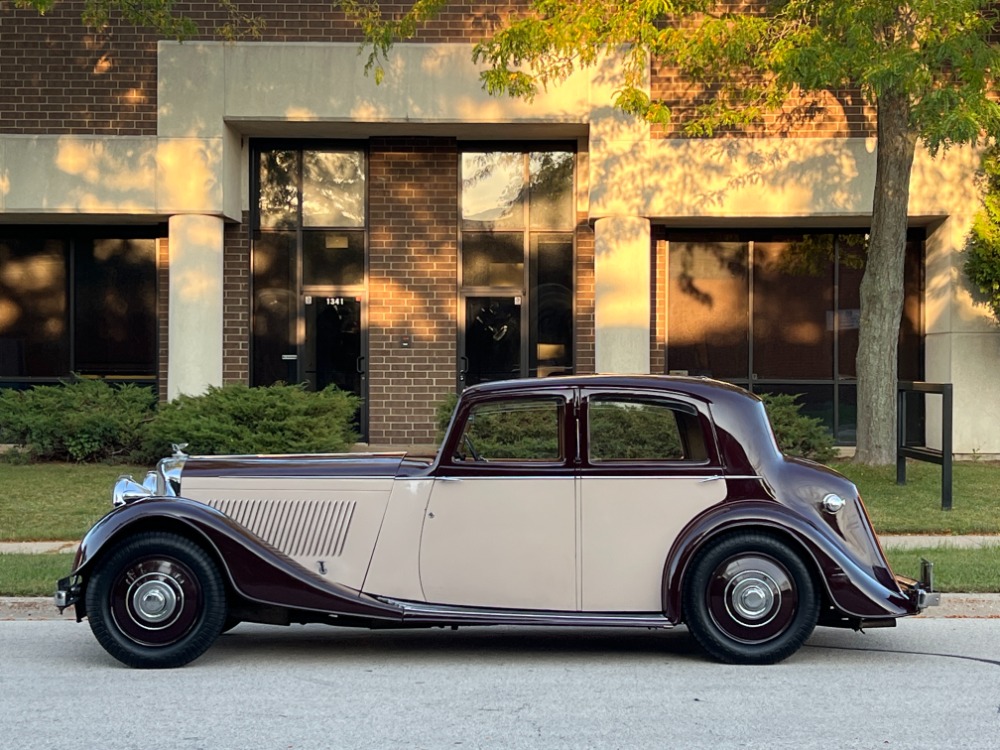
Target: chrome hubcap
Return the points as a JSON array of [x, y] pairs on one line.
[[753, 598], [153, 600]]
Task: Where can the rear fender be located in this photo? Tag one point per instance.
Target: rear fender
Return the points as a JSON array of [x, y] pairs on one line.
[[852, 588], [256, 570]]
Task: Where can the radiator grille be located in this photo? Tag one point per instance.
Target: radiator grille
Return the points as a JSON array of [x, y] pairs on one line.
[[299, 528]]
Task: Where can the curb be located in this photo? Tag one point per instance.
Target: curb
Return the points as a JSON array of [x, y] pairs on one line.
[[957, 606]]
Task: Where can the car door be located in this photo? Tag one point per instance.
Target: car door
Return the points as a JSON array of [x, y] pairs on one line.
[[500, 524], [649, 467]]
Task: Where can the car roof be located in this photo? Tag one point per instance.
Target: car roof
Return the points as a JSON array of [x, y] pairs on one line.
[[704, 388]]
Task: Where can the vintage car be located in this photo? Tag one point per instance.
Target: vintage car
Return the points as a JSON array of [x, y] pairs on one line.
[[588, 501]]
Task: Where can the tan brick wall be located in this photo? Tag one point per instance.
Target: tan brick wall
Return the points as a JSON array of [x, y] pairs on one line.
[[585, 295], [658, 304], [236, 303], [413, 268], [60, 77]]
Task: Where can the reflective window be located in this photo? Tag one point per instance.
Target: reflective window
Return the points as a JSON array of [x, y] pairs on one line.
[[517, 265], [115, 307], [643, 430], [493, 259], [333, 189], [275, 308], [793, 309], [780, 313], [525, 430], [708, 308], [309, 265], [79, 303], [278, 189], [333, 258]]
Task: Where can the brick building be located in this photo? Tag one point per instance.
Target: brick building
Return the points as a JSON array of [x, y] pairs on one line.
[[195, 213]]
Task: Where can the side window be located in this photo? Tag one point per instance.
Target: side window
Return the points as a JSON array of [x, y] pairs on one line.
[[513, 431], [623, 429]]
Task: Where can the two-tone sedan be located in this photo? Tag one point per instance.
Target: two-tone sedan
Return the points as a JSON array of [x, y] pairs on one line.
[[591, 501]]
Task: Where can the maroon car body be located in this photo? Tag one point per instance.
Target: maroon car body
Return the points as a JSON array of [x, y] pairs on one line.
[[638, 501]]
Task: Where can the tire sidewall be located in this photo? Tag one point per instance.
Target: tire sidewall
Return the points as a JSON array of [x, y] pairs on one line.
[[711, 637], [208, 622]]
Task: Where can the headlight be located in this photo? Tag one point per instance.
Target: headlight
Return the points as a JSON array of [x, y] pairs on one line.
[[127, 490]]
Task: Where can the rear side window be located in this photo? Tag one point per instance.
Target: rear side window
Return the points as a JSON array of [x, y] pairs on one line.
[[513, 431], [626, 429]]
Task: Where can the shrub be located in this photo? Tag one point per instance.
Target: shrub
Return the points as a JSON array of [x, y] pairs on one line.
[[239, 419], [796, 433], [81, 420], [982, 262], [443, 413]]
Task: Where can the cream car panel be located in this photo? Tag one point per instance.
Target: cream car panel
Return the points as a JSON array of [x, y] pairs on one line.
[[501, 542], [395, 566], [629, 525], [327, 525]]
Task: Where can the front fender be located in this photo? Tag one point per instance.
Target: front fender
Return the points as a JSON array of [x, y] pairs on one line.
[[256, 570], [853, 588]]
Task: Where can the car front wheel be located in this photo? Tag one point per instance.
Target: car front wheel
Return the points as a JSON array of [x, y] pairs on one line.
[[156, 600], [750, 599]]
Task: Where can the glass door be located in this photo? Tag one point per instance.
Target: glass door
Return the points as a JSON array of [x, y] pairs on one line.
[[491, 346], [333, 352]]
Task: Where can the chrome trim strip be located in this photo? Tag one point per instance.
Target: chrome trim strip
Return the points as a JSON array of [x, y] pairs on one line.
[[472, 615]]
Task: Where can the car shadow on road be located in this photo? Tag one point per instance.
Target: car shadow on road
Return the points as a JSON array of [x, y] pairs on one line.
[[498, 643]]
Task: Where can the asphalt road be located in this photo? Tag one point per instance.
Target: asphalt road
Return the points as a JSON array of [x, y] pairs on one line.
[[929, 683]]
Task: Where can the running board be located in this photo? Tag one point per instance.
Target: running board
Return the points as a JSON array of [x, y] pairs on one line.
[[442, 614]]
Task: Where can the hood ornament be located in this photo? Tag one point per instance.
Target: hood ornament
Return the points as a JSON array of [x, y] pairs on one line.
[[179, 450]]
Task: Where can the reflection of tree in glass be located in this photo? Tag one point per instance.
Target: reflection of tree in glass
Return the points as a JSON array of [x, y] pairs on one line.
[[550, 182], [525, 431], [690, 261], [278, 189], [333, 188], [813, 253], [635, 431]]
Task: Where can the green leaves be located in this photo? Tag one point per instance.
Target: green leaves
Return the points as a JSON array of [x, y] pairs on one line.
[[741, 62], [982, 261], [160, 15]]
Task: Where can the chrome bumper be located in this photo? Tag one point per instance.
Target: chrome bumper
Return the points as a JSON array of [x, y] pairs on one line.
[[921, 592], [926, 596], [67, 592]]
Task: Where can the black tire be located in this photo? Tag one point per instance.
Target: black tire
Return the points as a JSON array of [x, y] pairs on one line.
[[156, 600], [750, 599]]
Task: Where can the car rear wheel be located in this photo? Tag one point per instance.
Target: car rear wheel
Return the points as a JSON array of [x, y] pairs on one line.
[[156, 600], [750, 599]]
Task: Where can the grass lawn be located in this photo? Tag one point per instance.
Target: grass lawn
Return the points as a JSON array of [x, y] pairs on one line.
[[32, 575], [40, 502], [915, 508]]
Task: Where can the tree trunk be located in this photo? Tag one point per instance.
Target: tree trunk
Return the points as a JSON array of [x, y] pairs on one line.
[[882, 285]]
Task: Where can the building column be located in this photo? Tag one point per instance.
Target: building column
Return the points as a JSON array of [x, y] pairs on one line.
[[622, 293], [196, 304]]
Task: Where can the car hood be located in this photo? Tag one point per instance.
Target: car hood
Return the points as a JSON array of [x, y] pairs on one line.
[[367, 465]]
